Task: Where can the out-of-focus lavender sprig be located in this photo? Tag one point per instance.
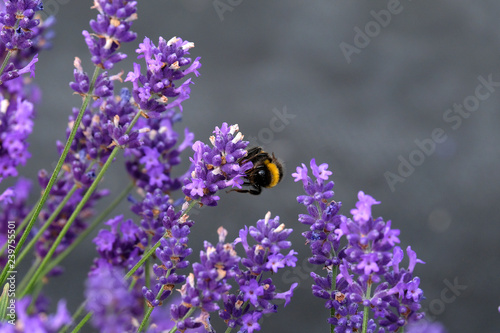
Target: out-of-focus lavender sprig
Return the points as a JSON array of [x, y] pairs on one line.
[[165, 64], [368, 260], [424, 326], [124, 245], [111, 29], [258, 293], [217, 168], [13, 207], [108, 297], [61, 189], [36, 319], [16, 124]]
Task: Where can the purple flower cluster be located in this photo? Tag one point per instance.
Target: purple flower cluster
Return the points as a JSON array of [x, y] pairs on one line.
[[111, 28], [16, 124], [322, 216], [103, 86], [36, 320], [257, 293], [119, 246], [217, 168], [101, 130], [150, 165], [207, 284], [18, 22], [165, 64], [20, 31], [24, 33], [159, 219], [368, 262]]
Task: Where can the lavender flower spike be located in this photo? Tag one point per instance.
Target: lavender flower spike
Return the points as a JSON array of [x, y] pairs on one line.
[[111, 28], [217, 168], [165, 64], [21, 13]]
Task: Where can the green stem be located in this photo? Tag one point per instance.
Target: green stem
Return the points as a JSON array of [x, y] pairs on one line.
[[147, 283], [82, 322], [53, 178], [367, 308], [86, 197], [152, 250], [150, 309], [47, 223], [334, 287], [229, 329], [147, 314], [77, 313], [5, 62], [90, 229]]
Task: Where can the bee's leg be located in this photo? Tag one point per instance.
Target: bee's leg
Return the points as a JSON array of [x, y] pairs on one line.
[[252, 152], [255, 190], [238, 190]]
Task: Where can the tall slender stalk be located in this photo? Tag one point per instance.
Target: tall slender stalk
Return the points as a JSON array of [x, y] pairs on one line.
[[86, 232], [40, 232], [86, 197], [53, 178]]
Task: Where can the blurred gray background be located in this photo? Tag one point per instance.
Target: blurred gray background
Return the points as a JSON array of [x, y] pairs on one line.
[[360, 110]]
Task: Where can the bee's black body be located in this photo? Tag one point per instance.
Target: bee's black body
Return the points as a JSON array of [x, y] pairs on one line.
[[266, 172]]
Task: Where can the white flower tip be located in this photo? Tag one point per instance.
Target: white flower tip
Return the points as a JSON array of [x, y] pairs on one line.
[[233, 129], [116, 120], [172, 40], [267, 217], [174, 66], [4, 105], [212, 140], [185, 205], [78, 64], [190, 279], [222, 234], [238, 137], [184, 218], [187, 46]]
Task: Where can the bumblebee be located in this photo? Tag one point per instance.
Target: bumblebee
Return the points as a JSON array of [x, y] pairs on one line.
[[266, 172]]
